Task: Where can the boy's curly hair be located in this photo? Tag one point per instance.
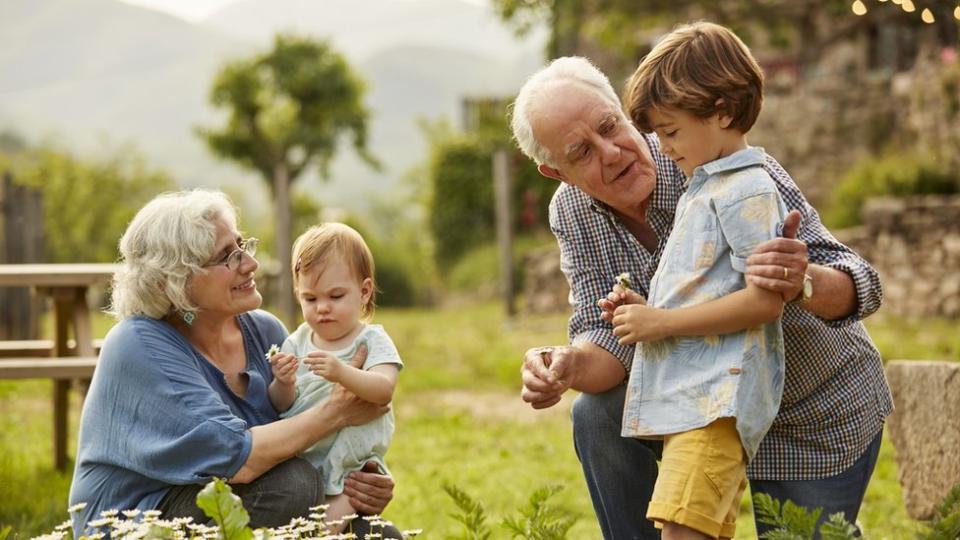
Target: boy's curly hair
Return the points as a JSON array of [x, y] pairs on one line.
[[701, 68]]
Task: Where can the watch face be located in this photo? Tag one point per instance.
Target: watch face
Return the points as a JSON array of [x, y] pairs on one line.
[[807, 288]]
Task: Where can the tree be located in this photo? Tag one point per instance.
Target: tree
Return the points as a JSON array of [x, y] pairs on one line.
[[83, 213], [289, 110], [617, 33]]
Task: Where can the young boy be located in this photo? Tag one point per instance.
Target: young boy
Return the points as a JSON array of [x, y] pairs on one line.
[[708, 372]]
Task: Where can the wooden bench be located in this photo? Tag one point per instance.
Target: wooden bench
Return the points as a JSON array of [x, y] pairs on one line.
[[66, 368], [61, 371], [39, 348]]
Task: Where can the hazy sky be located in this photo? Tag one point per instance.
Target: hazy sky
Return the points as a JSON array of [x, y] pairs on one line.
[[196, 10]]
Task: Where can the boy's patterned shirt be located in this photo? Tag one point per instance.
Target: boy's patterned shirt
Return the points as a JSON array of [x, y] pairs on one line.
[[835, 395], [681, 383]]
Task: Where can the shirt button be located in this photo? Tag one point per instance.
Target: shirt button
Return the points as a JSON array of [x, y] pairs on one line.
[[735, 371]]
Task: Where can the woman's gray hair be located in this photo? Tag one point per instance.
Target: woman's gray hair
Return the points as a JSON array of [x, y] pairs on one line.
[[566, 68], [165, 244]]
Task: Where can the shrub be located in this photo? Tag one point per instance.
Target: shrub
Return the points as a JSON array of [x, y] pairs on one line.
[[895, 174]]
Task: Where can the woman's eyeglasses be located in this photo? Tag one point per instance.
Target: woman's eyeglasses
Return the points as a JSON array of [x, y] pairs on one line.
[[234, 258]]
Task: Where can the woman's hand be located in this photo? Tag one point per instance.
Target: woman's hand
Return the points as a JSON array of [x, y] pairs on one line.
[[368, 490]]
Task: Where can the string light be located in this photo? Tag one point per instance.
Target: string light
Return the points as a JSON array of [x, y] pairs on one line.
[[956, 13], [859, 8], [927, 16], [908, 6]]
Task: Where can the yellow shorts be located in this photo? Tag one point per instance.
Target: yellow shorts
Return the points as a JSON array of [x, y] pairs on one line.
[[702, 477]]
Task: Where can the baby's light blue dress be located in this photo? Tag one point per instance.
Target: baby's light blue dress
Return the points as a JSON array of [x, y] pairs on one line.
[[350, 448], [678, 384]]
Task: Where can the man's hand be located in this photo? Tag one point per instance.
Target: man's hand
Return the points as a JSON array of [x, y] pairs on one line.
[[547, 373], [619, 296], [778, 265], [284, 367], [325, 365], [639, 322], [368, 490]]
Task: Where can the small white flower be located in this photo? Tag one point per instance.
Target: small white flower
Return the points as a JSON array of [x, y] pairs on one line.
[[623, 280], [411, 533], [77, 507], [272, 351], [130, 514]]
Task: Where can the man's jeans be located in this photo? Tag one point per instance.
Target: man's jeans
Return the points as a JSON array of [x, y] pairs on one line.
[[621, 472]]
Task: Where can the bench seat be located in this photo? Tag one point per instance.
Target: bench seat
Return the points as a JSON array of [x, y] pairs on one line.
[[48, 368]]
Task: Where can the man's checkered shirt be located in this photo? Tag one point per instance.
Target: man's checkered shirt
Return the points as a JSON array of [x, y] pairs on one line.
[[836, 396]]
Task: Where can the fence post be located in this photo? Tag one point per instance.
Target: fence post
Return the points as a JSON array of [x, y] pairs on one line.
[[21, 220], [502, 193]]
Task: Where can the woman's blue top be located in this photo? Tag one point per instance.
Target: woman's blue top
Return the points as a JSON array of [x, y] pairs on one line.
[[159, 414]]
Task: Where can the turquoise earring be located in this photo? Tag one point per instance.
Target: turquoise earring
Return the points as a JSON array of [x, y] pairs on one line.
[[188, 317]]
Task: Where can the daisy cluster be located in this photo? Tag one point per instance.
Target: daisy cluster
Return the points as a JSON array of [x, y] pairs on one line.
[[149, 524]]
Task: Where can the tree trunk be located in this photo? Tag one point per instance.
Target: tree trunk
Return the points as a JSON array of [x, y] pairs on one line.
[[286, 307]]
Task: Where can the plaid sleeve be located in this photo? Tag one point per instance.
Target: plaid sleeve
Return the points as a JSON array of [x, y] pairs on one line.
[[827, 251], [583, 265]]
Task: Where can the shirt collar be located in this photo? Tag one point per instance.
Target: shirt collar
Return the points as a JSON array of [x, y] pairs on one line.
[[750, 156]]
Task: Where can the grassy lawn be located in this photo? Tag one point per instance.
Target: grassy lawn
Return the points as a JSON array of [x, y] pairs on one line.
[[459, 421]]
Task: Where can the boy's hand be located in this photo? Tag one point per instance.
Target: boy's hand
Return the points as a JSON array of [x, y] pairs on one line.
[[284, 368], [325, 364], [638, 322], [619, 296]]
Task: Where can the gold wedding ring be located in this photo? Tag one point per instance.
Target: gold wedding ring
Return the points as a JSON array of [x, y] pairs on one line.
[[786, 273]]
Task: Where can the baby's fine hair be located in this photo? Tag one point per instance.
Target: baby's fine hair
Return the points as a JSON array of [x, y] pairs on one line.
[[691, 69], [323, 243]]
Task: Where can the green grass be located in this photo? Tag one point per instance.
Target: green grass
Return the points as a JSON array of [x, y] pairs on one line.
[[459, 420]]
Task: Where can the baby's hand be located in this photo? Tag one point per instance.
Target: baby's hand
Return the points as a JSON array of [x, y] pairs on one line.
[[284, 367], [324, 364]]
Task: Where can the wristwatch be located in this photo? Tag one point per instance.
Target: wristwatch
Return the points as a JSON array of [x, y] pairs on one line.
[[806, 291]]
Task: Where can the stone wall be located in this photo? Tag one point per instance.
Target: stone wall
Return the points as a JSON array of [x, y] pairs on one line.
[[914, 243]]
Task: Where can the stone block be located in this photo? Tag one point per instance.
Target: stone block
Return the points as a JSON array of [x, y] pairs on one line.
[[925, 429]]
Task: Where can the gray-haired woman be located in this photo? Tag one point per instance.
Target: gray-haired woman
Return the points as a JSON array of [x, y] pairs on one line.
[[179, 395]]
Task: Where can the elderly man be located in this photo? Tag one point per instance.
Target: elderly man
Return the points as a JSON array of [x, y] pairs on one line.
[[612, 213]]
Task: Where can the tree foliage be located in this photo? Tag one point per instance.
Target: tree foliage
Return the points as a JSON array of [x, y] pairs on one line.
[[617, 33], [461, 208], [289, 109], [87, 202]]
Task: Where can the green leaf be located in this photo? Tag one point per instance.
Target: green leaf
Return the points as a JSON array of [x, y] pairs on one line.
[[472, 514], [220, 504], [4, 532], [837, 528]]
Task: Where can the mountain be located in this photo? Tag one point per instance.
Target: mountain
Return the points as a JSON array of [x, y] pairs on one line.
[[86, 70]]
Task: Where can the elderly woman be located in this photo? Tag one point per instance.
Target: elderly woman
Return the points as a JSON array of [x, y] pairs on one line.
[[179, 395]]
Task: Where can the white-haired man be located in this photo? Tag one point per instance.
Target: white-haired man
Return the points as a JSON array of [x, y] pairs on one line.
[[612, 213]]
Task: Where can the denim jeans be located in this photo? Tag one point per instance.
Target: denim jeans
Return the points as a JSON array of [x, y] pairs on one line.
[[284, 492], [621, 472]]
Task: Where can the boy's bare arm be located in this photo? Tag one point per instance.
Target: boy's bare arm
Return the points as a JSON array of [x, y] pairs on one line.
[[734, 312], [375, 385]]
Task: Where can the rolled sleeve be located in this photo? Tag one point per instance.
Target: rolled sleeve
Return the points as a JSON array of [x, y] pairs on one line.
[[605, 339]]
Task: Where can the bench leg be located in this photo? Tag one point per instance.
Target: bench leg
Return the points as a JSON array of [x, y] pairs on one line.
[[60, 402]]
